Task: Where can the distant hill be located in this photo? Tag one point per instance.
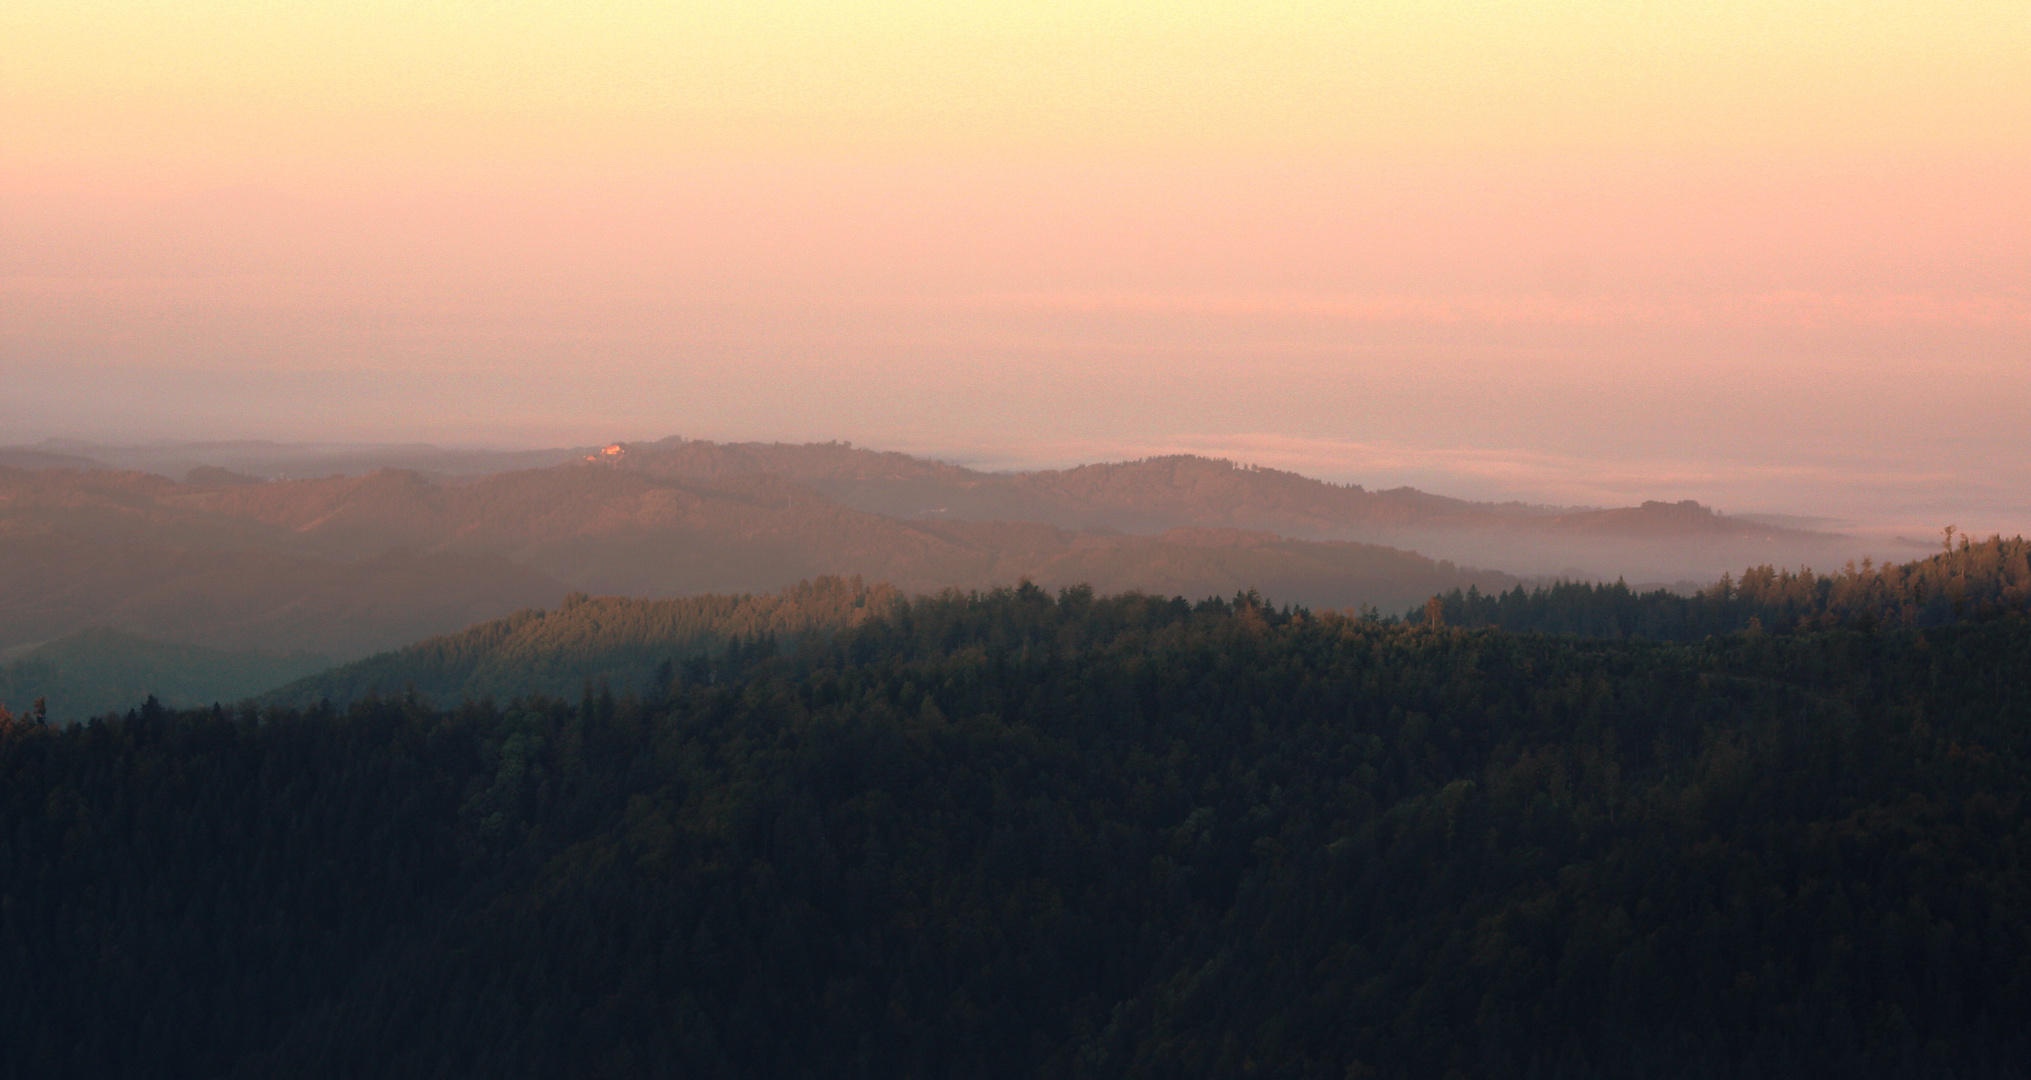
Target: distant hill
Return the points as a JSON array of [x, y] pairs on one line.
[[21, 457], [96, 671], [639, 532], [241, 600], [1149, 495], [212, 476], [625, 640], [610, 641], [1972, 581], [1661, 541], [345, 565], [631, 645], [308, 564], [119, 507]]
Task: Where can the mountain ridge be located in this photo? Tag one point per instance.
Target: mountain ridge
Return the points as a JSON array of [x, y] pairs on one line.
[[218, 561], [1145, 494], [133, 549]]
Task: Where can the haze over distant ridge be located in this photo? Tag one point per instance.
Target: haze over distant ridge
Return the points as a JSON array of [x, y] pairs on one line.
[[362, 556]]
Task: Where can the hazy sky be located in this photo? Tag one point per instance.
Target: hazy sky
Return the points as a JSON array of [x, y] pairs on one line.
[[1772, 255]]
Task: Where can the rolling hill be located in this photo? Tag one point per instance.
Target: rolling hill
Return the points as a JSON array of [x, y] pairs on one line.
[[350, 563], [1654, 541], [346, 565], [1152, 494], [611, 642], [256, 599], [633, 645]]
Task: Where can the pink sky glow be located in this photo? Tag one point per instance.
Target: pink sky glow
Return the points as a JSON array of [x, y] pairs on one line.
[[1583, 258]]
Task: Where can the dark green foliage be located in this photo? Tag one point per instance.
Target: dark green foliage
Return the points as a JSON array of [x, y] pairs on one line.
[[1019, 835], [1975, 580], [175, 888]]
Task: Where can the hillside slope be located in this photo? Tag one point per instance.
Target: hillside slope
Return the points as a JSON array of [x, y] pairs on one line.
[[633, 644], [1016, 836], [1154, 494], [320, 564], [1655, 541], [241, 600], [610, 642], [1975, 580]]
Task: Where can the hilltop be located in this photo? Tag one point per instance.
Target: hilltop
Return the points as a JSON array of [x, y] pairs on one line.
[[1655, 540], [1152, 494], [609, 642], [632, 645], [349, 563]]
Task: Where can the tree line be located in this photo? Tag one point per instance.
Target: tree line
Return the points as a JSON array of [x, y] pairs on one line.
[[1016, 834], [1968, 580]]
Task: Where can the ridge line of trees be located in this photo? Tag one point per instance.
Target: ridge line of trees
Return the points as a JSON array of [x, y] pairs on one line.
[[1973, 580]]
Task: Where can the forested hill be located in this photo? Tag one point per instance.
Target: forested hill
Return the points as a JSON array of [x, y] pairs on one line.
[[1971, 580], [611, 641], [349, 565], [1012, 835], [630, 644]]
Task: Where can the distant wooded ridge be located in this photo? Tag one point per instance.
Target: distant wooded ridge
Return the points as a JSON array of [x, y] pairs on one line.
[[1973, 580], [642, 645], [348, 566], [611, 642], [1149, 494]]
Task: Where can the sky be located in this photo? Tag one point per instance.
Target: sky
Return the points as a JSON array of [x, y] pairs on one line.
[[1774, 256]]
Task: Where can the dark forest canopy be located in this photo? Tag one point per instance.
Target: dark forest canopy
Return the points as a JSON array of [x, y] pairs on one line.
[[1012, 834], [1968, 580]]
